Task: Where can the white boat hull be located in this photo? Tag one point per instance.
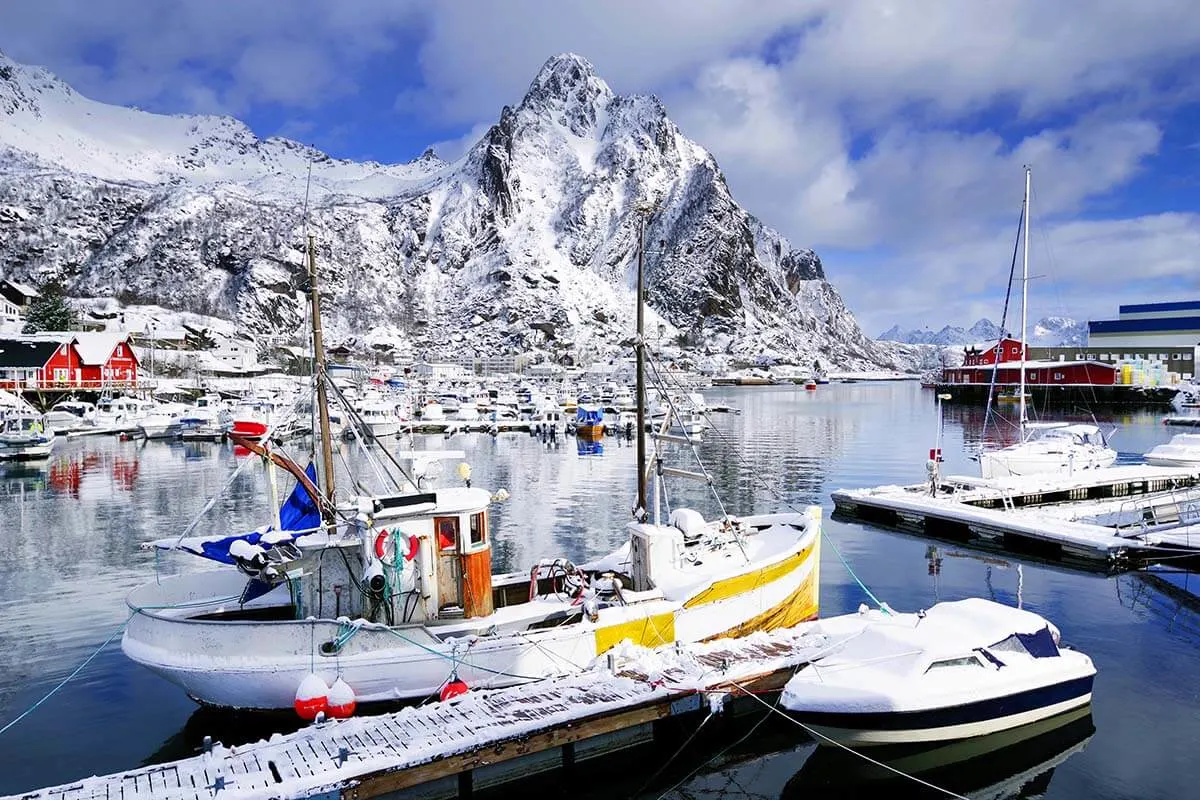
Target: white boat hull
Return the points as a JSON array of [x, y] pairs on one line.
[[1002, 464], [863, 737], [259, 664]]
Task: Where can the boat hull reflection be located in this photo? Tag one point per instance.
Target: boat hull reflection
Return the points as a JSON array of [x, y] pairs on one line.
[[1011, 763]]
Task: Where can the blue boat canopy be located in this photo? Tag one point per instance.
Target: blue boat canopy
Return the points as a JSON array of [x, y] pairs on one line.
[[298, 516]]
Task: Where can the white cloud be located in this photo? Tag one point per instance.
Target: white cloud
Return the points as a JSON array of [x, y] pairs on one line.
[[890, 134]]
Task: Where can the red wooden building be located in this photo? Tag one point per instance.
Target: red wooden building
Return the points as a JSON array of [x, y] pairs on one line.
[[35, 363], [68, 360], [979, 364]]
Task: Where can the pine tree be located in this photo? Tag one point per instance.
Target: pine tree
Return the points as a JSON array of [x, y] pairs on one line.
[[50, 311]]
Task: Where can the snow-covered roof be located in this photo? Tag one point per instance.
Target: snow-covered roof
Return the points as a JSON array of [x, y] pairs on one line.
[[94, 347], [24, 288]]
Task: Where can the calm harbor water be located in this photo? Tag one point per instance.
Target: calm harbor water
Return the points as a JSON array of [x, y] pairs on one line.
[[69, 553]]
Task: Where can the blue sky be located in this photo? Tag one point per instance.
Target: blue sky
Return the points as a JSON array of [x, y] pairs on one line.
[[889, 136]]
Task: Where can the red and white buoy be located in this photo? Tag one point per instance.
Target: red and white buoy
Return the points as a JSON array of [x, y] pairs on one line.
[[312, 697], [341, 700], [453, 688]]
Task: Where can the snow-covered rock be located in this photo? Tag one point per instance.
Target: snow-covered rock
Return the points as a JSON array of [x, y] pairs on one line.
[[526, 243]]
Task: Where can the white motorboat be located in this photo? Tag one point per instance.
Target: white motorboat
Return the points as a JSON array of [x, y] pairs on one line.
[[961, 669], [70, 415], [206, 420], [23, 436], [1182, 451], [121, 414], [378, 417], [163, 421], [548, 422], [394, 592], [1050, 447]]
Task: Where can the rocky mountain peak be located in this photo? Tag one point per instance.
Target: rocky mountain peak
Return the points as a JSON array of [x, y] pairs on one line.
[[568, 91], [524, 246]]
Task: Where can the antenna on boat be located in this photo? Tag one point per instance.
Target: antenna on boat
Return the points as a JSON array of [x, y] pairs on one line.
[[643, 210], [314, 297]]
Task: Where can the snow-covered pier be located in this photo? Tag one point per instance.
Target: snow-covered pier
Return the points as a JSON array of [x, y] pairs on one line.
[[1106, 516], [483, 738]]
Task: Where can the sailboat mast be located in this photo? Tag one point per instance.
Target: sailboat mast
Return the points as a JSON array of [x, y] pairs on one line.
[[1025, 300], [639, 511], [319, 361]]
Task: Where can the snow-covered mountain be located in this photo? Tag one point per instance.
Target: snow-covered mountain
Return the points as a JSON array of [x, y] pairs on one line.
[[1046, 332], [527, 242]]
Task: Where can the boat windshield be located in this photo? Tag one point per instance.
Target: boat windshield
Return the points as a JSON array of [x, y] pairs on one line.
[[1069, 435]]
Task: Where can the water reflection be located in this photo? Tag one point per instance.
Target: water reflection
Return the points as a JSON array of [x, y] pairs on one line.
[[69, 554], [586, 447], [1014, 763]]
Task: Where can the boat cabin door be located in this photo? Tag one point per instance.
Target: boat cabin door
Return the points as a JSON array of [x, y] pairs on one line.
[[464, 567], [449, 567]]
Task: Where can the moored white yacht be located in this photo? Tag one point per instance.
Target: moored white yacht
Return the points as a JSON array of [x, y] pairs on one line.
[[393, 592], [1050, 447]]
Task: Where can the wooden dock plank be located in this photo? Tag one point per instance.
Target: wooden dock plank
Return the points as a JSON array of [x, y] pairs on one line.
[[425, 743]]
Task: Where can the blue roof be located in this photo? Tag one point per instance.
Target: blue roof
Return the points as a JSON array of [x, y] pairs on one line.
[[1149, 308], [1160, 324]]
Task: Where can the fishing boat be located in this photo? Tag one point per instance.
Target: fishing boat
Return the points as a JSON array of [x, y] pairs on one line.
[[1048, 447], [589, 423], [255, 416], [24, 437], [392, 593], [1182, 451], [958, 670]]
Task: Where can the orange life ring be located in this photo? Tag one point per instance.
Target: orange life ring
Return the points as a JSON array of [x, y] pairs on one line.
[[414, 545]]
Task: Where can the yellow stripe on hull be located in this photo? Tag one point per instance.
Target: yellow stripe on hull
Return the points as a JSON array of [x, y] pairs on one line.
[[749, 581], [800, 606], [652, 631]]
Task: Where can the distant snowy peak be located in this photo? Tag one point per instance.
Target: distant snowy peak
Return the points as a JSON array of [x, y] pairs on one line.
[[1052, 331], [1046, 332], [44, 121]]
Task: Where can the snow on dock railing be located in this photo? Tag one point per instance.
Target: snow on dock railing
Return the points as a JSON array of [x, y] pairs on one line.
[[369, 756]]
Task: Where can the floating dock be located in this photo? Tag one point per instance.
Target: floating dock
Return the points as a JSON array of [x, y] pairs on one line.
[[1113, 516], [486, 738]]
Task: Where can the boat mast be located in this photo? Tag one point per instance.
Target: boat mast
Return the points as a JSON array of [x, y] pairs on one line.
[[319, 361], [1023, 418], [639, 511]]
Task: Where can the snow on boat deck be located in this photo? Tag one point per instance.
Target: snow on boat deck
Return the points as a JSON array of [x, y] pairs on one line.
[[370, 756], [1032, 508]]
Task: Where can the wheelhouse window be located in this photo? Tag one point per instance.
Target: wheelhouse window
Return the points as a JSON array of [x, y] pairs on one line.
[[446, 529], [479, 528], [965, 661]]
